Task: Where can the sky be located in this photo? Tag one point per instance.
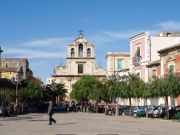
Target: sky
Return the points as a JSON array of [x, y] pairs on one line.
[[40, 30]]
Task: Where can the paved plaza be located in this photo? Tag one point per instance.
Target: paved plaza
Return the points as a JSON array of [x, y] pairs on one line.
[[86, 124]]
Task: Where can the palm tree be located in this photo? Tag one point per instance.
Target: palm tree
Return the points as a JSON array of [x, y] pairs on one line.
[[54, 90]]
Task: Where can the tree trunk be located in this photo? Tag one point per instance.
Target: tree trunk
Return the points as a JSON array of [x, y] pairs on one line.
[[106, 109], [96, 107], [22, 106], [130, 107], [146, 108], [81, 108], [167, 107]]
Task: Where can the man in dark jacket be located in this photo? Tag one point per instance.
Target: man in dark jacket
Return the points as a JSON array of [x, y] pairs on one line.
[[50, 113]]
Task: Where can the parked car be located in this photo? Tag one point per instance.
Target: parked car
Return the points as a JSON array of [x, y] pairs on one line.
[[1, 112], [101, 108], [124, 110], [159, 112], [150, 110], [60, 107], [139, 111], [174, 112]]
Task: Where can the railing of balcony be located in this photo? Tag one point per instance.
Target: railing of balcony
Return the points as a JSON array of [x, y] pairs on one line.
[[136, 59]]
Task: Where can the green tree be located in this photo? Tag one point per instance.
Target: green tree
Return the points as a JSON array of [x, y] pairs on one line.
[[55, 89], [146, 93], [169, 87], [7, 89], [133, 87], [108, 84], [128, 87], [79, 90], [30, 91], [165, 87], [88, 88], [176, 87]]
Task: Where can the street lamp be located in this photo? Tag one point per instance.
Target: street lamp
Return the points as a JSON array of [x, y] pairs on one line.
[[16, 80], [0, 60]]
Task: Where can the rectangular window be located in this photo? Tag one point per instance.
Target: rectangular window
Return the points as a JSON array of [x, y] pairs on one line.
[[171, 68], [80, 68], [168, 34], [138, 51], [119, 64], [153, 73]]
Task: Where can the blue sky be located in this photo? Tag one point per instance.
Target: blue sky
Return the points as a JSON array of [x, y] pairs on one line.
[[40, 30]]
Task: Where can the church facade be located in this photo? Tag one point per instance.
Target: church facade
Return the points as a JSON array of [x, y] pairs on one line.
[[80, 60]]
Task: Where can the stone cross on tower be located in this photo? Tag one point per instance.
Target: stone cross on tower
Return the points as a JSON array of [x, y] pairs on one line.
[[80, 33]]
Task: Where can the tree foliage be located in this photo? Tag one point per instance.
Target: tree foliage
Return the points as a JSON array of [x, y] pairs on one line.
[[164, 87], [7, 88], [88, 88], [27, 90], [30, 91], [55, 89], [127, 87]]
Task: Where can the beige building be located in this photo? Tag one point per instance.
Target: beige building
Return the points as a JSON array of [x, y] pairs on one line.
[[80, 60], [11, 67], [117, 63]]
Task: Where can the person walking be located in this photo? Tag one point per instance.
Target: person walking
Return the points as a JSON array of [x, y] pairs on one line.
[[50, 113]]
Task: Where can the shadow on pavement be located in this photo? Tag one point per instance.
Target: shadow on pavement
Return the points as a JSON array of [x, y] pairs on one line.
[[65, 134], [38, 120], [66, 123], [34, 114], [16, 118]]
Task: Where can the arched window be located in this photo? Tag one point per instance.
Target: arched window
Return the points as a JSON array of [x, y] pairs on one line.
[[88, 52], [80, 50], [72, 52]]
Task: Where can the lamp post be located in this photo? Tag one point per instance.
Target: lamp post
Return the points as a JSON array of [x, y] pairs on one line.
[[16, 80], [0, 60]]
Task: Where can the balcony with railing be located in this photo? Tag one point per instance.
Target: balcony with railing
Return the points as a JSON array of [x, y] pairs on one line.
[[136, 60]]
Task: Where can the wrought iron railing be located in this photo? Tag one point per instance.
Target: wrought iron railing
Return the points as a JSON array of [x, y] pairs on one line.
[[136, 59]]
